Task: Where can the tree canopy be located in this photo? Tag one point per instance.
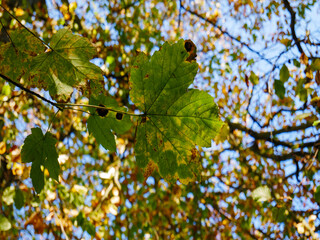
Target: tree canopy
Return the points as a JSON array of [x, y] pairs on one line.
[[159, 119]]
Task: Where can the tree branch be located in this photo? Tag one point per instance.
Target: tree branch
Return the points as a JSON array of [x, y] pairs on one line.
[[30, 92], [269, 136], [226, 33], [292, 25]]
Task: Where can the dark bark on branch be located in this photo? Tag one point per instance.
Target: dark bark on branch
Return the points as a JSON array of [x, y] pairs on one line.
[[30, 92], [279, 158], [269, 136], [226, 33], [292, 25]]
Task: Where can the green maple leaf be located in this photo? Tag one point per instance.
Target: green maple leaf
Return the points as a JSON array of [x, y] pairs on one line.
[[66, 65], [101, 126], [175, 119], [40, 150], [17, 53]]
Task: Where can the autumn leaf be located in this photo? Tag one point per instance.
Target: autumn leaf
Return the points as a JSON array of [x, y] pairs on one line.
[[17, 53], [66, 64], [5, 224], [254, 78], [261, 194], [175, 119]]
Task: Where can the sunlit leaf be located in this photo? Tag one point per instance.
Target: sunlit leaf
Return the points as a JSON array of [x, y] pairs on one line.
[[315, 65], [67, 64], [3, 147], [16, 55], [8, 195], [254, 78], [5, 225], [176, 119], [261, 194], [302, 116], [304, 58]]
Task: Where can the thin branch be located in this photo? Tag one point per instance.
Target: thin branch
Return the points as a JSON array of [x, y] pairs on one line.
[[52, 121], [7, 34], [179, 18], [278, 158], [46, 44], [30, 92], [269, 136], [226, 33], [292, 25], [280, 111], [61, 106]]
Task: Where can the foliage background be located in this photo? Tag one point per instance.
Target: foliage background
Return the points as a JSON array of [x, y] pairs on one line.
[[259, 59]]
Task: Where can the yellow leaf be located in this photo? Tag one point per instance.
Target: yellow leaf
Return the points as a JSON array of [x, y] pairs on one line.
[[3, 147], [318, 77], [309, 74], [300, 228], [286, 42], [72, 7], [19, 12], [304, 59], [67, 16], [17, 169], [302, 116], [225, 222]]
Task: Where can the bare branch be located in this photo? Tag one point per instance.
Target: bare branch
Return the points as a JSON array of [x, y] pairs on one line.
[[269, 136], [226, 33], [30, 92], [292, 25]]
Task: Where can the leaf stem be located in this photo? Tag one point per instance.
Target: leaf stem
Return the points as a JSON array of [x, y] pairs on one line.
[[98, 107], [52, 121], [46, 44], [61, 106]]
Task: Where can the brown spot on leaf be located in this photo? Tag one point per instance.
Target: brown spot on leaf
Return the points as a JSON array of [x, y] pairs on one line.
[[149, 169], [194, 153], [144, 119], [191, 49]]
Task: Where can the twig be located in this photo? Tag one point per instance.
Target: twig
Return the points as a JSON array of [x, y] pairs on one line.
[[30, 92], [52, 120], [47, 45], [179, 18], [7, 34], [292, 25], [227, 33], [61, 106]]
